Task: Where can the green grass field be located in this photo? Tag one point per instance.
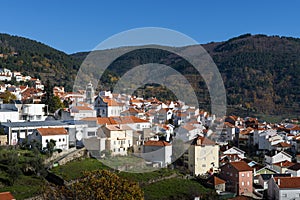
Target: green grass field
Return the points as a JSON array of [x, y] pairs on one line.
[[173, 188], [25, 187], [177, 188]]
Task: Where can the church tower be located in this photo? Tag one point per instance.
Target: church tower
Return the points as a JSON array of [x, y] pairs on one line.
[[89, 94]]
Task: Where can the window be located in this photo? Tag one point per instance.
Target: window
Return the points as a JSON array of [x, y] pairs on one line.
[[248, 183], [284, 195], [243, 183], [248, 174], [243, 174], [59, 140], [63, 139], [204, 165], [230, 174], [47, 140], [115, 142]]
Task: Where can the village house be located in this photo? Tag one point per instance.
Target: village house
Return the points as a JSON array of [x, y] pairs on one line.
[[278, 157], [284, 188], [119, 139], [202, 156], [80, 112], [44, 135], [231, 154], [216, 183], [188, 132], [107, 107], [239, 177], [17, 132], [157, 152]]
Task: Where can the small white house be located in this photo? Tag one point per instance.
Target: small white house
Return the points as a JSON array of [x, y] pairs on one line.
[[157, 152], [44, 135], [279, 157], [235, 151]]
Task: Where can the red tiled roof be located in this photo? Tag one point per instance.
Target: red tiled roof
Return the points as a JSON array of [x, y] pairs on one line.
[[117, 127], [283, 144], [214, 180], [156, 143], [288, 182], [129, 120], [81, 108], [52, 131], [112, 102], [6, 196], [285, 163], [295, 167], [241, 166], [106, 120]]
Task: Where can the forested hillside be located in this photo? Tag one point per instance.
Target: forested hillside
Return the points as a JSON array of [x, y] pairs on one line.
[[261, 73], [38, 60]]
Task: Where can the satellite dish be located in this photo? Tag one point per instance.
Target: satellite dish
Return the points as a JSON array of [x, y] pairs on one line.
[[79, 135]]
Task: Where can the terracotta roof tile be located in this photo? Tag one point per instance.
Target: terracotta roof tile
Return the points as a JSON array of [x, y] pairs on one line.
[[52, 131], [288, 182], [117, 127], [156, 143], [285, 163], [112, 102], [295, 167], [6, 196], [77, 108], [241, 166]]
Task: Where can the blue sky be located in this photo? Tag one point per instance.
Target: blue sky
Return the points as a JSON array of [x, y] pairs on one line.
[[73, 26]]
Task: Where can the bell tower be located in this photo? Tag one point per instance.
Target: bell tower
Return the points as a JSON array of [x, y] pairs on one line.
[[89, 93]]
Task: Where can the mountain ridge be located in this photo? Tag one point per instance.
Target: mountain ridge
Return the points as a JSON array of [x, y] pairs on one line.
[[260, 72]]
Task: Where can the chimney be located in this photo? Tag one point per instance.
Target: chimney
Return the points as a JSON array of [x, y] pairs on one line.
[[278, 182]]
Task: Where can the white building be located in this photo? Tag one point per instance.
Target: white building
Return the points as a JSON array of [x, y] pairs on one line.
[[203, 156], [119, 139], [284, 188], [107, 107], [9, 112], [188, 132], [157, 152], [80, 112], [45, 135], [279, 157], [33, 112]]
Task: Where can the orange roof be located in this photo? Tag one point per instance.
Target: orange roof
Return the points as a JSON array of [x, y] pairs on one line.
[[283, 144], [6, 196], [288, 182], [117, 127], [214, 180], [285, 163], [156, 143], [106, 120], [52, 131], [241, 166], [129, 120], [81, 108], [112, 102]]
